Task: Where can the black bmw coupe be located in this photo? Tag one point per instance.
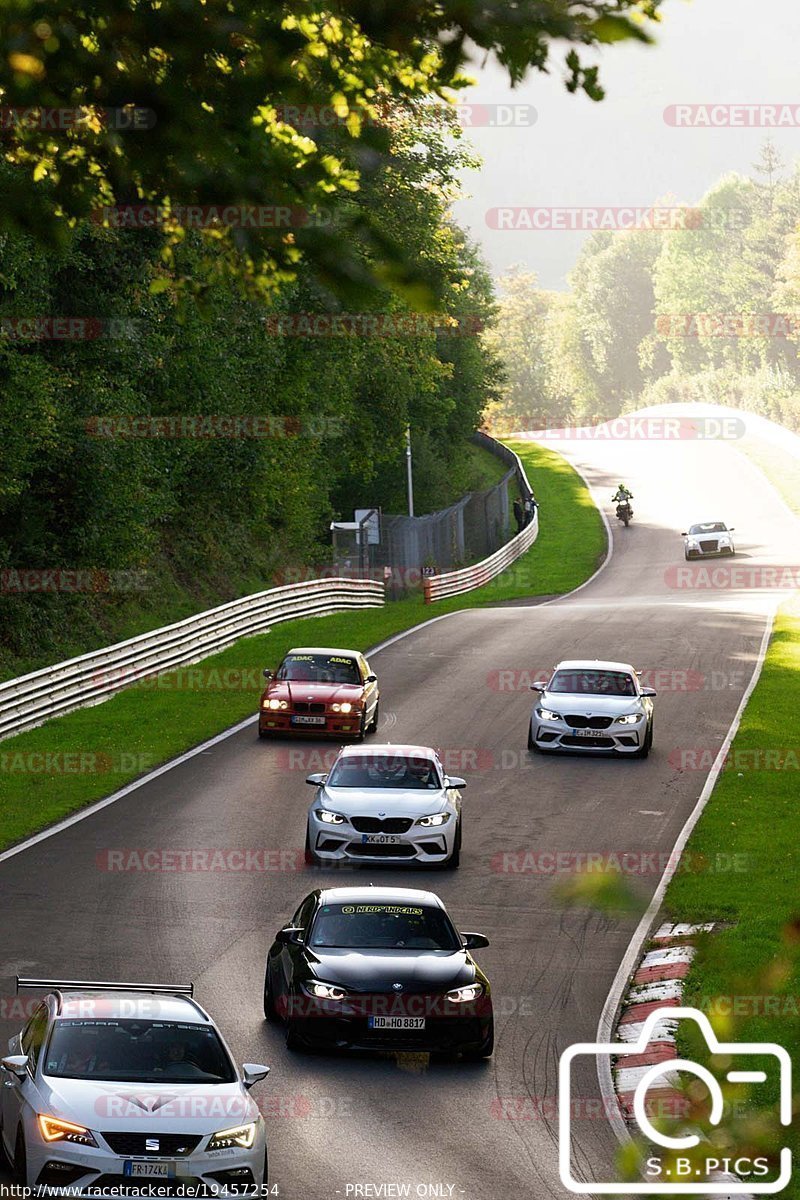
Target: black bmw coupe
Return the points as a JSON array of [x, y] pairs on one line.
[[373, 968]]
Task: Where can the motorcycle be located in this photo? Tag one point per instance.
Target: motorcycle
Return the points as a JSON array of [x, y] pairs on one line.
[[624, 512]]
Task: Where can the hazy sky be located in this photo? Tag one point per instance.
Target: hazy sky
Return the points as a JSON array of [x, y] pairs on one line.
[[622, 151]]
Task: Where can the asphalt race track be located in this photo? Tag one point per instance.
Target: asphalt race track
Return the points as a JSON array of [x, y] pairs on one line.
[[478, 1131]]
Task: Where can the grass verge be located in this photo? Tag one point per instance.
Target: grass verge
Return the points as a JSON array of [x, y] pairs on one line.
[[746, 976], [52, 771]]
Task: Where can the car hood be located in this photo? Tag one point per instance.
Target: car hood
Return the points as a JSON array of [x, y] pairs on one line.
[[378, 970], [590, 706], [132, 1107], [283, 689], [393, 802]]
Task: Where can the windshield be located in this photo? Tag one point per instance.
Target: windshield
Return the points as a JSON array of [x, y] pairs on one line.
[[593, 683], [138, 1051], [709, 527], [383, 927], [385, 771], [319, 668]]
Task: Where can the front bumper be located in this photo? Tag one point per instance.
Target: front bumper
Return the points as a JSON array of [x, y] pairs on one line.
[[349, 1029], [280, 724], [719, 551], [63, 1169], [616, 739], [419, 844]]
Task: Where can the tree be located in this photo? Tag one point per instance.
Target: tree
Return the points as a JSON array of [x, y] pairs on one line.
[[177, 104]]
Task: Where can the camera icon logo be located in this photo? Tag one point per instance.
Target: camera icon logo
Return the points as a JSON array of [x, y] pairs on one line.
[[735, 1072]]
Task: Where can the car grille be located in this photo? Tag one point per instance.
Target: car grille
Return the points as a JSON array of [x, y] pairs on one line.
[[377, 825], [579, 722], [376, 850], [709, 545], [301, 706], [597, 743], [172, 1145]]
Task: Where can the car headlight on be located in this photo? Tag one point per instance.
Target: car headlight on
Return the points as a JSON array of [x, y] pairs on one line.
[[463, 995], [547, 715], [330, 818], [344, 707], [237, 1135], [326, 991], [692, 543], [630, 719], [53, 1129], [434, 819], [274, 704]]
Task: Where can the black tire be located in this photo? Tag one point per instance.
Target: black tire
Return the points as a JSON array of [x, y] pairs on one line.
[[309, 856], [485, 1050], [5, 1161], [454, 860], [373, 727], [265, 1177], [531, 742], [270, 1011], [20, 1171], [362, 729], [644, 750], [293, 1042], [263, 735]]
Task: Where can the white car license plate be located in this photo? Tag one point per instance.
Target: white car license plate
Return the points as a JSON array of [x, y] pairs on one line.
[[589, 733], [303, 720], [396, 1022], [380, 839], [150, 1170]]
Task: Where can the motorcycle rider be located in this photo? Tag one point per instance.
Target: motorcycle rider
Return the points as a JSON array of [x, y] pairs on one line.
[[622, 496]]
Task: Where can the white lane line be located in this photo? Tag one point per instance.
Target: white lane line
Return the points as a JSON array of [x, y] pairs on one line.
[[605, 1025], [609, 538]]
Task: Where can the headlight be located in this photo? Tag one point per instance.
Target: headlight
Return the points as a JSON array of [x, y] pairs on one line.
[[547, 715], [346, 707], [692, 543], [326, 991], [273, 704], [330, 818], [237, 1135], [434, 819], [55, 1130], [463, 995], [631, 719]]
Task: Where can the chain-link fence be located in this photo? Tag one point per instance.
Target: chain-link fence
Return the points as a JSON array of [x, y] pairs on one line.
[[403, 550]]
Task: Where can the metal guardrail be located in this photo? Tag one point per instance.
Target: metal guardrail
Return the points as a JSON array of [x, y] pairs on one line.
[[31, 699], [453, 583]]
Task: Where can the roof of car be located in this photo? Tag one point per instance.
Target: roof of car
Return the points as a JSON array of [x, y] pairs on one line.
[[323, 650], [133, 1005], [593, 664], [375, 749], [378, 895]]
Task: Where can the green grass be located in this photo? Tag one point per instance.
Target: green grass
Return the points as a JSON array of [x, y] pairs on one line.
[[94, 751], [747, 974]]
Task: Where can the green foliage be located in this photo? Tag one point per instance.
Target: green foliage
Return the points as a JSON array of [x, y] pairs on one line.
[[214, 91], [708, 310]]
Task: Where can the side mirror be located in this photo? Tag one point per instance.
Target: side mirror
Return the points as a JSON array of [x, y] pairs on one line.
[[15, 1064], [538, 687], [646, 691], [316, 780], [268, 674], [684, 534], [731, 529], [371, 679], [455, 781], [253, 1073], [474, 941], [292, 935]]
